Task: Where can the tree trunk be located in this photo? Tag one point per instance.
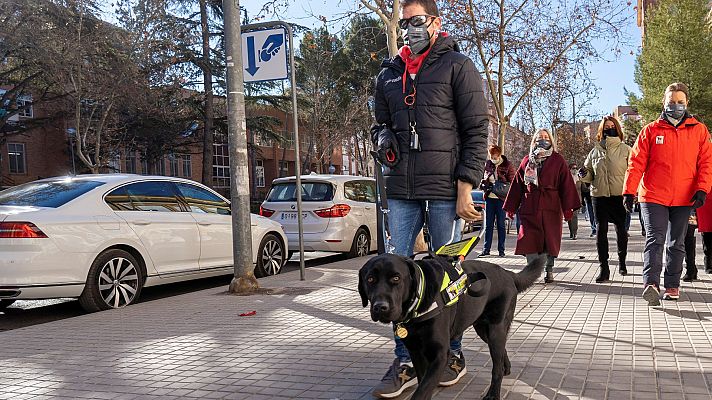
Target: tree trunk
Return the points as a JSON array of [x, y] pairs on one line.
[[207, 176], [392, 38]]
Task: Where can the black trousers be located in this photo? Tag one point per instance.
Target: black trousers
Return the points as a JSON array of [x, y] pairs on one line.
[[690, 244], [707, 249], [610, 209]]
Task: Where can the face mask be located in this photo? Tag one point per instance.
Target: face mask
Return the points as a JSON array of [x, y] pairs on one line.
[[675, 111], [543, 144], [418, 38], [611, 132]]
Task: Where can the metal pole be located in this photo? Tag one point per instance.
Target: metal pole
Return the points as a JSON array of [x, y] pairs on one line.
[[244, 280], [297, 157]]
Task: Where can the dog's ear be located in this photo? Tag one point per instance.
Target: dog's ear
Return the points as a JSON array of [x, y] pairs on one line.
[[480, 284], [362, 284]]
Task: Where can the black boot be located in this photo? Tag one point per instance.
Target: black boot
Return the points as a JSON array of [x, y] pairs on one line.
[[708, 264], [690, 274], [604, 274], [622, 269], [549, 277]]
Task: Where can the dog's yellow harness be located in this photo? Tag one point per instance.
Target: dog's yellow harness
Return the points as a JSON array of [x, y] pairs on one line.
[[454, 284]]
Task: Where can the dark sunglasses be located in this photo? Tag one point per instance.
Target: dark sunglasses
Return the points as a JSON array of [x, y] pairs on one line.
[[416, 20]]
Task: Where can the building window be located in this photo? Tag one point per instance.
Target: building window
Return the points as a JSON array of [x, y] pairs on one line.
[[173, 164], [159, 168], [144, 165], [114, 164], [283, 168], [24, 106], [16, 155], [187, 170], [259, 173], [130, 165], [221, 166]]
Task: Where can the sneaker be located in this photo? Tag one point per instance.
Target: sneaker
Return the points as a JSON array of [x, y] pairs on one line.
[[651, 294], [671, 294], [549, 277], [398, 378], [484, 254], [501, 254], [593, 234], [455, 370]]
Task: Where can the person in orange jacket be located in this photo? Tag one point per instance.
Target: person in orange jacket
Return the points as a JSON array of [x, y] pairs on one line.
[[672, 162]]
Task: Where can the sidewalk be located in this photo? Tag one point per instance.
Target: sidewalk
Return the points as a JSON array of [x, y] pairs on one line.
[[313, 340]]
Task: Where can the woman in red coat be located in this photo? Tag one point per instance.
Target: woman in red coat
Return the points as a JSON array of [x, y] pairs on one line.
[[543, 191]]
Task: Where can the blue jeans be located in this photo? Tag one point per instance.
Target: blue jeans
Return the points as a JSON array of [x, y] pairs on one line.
[[405, 220], [494, 212]]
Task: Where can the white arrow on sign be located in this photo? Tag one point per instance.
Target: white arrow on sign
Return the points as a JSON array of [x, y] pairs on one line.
[[264, 55]]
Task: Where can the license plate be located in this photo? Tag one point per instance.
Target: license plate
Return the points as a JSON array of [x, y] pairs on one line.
[[292, 216]]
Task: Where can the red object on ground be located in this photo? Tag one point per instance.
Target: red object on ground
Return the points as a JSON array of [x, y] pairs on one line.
[[248, 314]]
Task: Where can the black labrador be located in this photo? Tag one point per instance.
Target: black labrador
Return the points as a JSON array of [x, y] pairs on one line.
[[391, 284]]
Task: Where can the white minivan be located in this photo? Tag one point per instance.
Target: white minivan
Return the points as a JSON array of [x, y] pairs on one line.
[[338, 211]]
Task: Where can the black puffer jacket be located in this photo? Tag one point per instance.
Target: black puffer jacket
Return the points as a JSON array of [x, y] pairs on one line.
[[450, 112]]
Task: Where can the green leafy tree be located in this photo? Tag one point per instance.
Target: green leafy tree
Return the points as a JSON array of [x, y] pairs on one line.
[[676, 48]]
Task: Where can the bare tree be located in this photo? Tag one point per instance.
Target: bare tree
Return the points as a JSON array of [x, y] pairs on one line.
[[389, 13], [519, 43]]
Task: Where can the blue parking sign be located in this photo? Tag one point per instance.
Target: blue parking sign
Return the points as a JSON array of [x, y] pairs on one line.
[[264, 55]]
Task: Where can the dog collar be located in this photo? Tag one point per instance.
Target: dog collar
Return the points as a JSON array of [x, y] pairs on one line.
[[420, 288]]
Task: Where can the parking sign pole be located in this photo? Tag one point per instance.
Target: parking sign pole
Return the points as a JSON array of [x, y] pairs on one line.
[[295, 122]]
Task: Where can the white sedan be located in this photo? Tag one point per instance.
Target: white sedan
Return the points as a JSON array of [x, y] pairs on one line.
[[102, 238]]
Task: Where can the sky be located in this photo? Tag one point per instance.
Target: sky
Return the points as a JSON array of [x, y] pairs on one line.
[[610, 76]]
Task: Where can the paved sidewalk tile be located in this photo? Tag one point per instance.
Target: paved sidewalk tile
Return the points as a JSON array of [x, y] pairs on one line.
[[573, 339]]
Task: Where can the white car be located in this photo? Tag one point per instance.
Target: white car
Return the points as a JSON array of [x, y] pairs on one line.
[[102, 238], [339, 212]]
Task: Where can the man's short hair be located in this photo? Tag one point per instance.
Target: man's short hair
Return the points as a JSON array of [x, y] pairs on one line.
[[678, 87], [429, 5]]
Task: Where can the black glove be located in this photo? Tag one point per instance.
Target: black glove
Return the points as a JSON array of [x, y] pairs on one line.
[[628, 200], [698, 199], [387, 143]]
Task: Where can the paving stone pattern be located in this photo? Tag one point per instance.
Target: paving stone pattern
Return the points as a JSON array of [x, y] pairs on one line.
[[573, 339]]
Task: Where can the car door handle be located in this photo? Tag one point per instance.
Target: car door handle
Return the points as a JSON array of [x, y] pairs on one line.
[[368, 208], [204, 223], [141, 222]]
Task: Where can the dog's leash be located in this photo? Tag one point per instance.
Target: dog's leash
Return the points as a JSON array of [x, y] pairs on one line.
[[384, 235]]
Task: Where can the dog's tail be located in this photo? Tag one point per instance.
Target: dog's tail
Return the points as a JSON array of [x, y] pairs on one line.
[[526, 278]]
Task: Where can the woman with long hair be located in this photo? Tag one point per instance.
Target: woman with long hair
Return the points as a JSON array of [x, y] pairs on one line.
[[604, 169], [543, 191]]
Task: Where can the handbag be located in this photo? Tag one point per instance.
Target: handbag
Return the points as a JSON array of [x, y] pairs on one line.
[[500, 189]]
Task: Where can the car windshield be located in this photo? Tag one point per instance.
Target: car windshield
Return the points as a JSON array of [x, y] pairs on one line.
[[52, 194], [311, 191]]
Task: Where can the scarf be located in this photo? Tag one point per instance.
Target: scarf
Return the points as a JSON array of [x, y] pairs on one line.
[[536, 158], [412, 66]]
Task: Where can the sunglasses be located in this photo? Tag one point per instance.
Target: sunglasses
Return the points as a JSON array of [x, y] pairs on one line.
[[416, 20]]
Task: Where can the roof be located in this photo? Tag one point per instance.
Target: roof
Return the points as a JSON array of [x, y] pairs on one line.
[[323, 177], [114, 178]]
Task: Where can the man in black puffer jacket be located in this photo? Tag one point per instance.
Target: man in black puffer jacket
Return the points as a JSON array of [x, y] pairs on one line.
[[431, 134]]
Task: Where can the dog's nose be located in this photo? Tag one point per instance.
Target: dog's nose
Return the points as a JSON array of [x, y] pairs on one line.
[[381, 307]]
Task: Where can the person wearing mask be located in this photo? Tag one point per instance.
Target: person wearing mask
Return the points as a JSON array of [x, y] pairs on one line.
[[543, 191], [671, 162], [499, 173], [604, 169], [431, 137], [573, 222]]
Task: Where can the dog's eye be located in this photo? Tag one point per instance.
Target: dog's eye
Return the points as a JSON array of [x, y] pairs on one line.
[[370, 279], [395, 279]]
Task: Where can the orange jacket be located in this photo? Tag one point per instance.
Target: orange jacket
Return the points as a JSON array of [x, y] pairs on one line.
[[672, 163]]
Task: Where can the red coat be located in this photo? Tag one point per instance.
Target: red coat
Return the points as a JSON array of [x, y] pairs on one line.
[[541, 208], [668, 165], [704, 217]]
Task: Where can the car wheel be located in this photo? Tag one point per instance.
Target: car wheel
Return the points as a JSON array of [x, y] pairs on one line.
[[361, 245], [270, 256], [114, 281], [5, 304]]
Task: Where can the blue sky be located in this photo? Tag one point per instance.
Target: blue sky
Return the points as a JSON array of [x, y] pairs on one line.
[[610, 76]]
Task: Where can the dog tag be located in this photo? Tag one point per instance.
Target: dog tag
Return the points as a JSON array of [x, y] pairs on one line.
[[401, 332]]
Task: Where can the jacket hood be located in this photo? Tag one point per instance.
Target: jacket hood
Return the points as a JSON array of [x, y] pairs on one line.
[[689, 120]]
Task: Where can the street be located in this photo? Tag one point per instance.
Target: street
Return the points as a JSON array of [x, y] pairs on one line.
[[33, 312]]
